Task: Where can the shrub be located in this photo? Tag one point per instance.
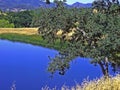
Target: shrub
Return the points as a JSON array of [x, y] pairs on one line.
[[5, 24]]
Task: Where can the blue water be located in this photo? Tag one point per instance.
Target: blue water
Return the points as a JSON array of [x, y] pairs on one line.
[[27, 66]]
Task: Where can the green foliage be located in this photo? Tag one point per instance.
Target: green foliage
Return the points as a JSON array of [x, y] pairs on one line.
[[32, 39], [54, 19], [5, 24], [37, 16], [21, 19], [97, 36], [106, 6]]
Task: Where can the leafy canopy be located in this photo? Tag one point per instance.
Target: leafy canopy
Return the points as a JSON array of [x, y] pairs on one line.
[[96, 36]]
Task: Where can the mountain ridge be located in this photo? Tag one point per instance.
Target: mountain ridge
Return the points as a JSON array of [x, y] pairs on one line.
[[16, 5], [78, 4]]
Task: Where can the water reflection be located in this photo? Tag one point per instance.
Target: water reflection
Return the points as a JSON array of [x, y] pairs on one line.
[[27, 65]]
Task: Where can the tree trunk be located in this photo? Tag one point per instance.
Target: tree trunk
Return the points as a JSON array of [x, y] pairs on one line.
[[104, 67]]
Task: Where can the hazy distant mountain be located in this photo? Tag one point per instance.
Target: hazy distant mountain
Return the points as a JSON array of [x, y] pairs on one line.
[[79, 5], [17, 5], [22, 4]]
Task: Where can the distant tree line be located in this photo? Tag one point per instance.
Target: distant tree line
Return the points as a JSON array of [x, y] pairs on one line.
[[16, 19]]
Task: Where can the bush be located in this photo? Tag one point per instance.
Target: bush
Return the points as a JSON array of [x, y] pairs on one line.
[[5, 24]]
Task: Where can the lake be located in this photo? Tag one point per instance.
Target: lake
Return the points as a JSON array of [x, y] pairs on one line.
[[26, 65]]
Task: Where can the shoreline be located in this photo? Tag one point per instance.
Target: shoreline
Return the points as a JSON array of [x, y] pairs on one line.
[[31, 39]]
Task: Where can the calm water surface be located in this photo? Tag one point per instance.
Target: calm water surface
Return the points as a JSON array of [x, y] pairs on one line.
[[27, 66]]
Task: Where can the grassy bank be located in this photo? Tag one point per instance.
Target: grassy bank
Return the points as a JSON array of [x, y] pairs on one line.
[[26, 31], [31, 39], [98, 84]]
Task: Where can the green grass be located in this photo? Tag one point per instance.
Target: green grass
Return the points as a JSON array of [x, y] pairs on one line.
[[32, 39]]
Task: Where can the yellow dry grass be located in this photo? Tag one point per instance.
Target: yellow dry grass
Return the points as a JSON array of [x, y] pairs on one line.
[[26, 31], [98, 84], [112, 83]]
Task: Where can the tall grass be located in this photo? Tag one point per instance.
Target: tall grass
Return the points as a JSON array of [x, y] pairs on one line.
[[112, 83]]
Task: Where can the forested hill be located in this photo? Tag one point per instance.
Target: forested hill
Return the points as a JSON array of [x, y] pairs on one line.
[[19, 5]]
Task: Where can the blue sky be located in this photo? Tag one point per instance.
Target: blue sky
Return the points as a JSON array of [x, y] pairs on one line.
[[81, 1]]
